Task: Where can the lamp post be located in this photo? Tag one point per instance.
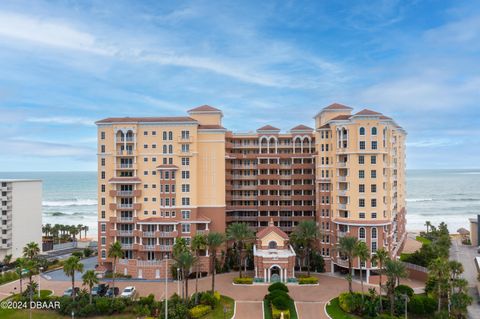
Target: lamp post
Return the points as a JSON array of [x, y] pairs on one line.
[[166, 286], [39, 277], [178, 281], [406, 303]]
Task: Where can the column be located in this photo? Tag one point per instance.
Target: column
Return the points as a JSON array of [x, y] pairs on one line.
[[256, 273], [265, 274], [268, 274], [286, 275], [281, 274], [293, 271], [368, 275]]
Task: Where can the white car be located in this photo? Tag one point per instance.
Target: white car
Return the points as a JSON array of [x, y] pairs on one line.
[[128, 292]]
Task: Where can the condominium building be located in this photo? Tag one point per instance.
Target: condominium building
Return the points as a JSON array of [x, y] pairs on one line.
[[164, 178], [21, 220]]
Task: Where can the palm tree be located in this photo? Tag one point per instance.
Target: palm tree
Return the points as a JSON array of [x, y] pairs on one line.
[[85, 229], [346, 246], [394, 270], [71, 265], [240, 233], [115, 251], [21, 263], [307, 232], [198, 244], [90, 279], [439, 270], [7, 259], [185, 261], [428, 224], [213, 241], [31, 250], [79, 230], [47, 229], [379, 258], [362, 252]]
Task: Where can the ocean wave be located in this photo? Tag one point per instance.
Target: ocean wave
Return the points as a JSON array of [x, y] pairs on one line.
[[74, 202], [419, 200]]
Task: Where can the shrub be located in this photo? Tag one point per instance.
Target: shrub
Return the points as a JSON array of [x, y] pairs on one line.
[[78, 254], [415, 305], [87, 252], [103, 305], [87, 311], [308, 280], [217, 296], [429, 304], [385, 316], [199, 311], [243, 281], [277, 286], [281, 302], [350, 302], [277, 313], [404, 289], [208, 299], [276, 293]]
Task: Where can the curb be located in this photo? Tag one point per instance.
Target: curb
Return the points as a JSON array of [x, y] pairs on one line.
[[325, 308]]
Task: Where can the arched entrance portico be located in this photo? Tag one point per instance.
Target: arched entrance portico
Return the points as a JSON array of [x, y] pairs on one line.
[[275, 273]]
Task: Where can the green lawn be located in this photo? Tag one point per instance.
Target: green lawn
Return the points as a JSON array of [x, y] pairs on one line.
[[423, 240], [334, 311], [217, 313]]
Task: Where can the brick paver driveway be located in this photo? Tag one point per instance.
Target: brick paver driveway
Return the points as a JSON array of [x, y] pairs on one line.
[[248, 309]]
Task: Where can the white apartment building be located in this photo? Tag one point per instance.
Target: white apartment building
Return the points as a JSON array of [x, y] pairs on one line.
[[21, 215]]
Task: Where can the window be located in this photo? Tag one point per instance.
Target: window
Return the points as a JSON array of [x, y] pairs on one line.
[[145, 159], [102, 135], [374, 130], [185, 214], [374, 232], [104, 254], [164, 149], [185, 174], [154, 145], [145, 133], [374, 246], [185, 228], [170, 136], [104, 241], [185, 161], [145, 145], [154, 133], [361, 202], [361, 188], [361, 233], [185, 201], [361, 215], [361, 159], [362, 131], [145, 173], [103, 149], [373, 160], [361, 173], [373, 188], [374, 145], [373, 173], [373, 202], [272, 245], [362, 145], [164, 136], [103, 162], [185, 148], [103, 175], [374, 215], [103, 214], [185, 135], [103, 228], [167, 175], [103, 188], [170, 149], [185, 188]]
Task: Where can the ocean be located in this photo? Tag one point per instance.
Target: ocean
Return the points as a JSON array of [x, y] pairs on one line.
[[451, 196]]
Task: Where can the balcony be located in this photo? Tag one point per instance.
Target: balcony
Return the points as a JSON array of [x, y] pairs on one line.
[[129, 206], [165, 247], [127, 246], [168, 233], [203, 231], [342, 178], [125, 153], [125, 219], [148, 234], [342, 262], [124, 232], [147, 247], [341, 234], [342, 164], [342, 206], [342, 192]]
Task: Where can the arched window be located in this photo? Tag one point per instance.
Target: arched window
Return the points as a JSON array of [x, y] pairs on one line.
[[374, 232], [164, 135], [164, 148], [272, 245], [170, 135], [361, 233], [362, 131], [170, 149], [374, 130]]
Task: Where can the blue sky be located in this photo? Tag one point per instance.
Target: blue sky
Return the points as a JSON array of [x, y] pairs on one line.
[[65, 64]]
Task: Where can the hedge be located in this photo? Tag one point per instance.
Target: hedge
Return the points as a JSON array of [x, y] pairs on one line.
[[277, 313], [199, 311], [280, 302], [308, 281], [243, 281], [350, 302], [277, 286], [404, 289]]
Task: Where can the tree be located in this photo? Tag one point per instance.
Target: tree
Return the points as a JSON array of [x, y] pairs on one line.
[[428, 224], [185, 261], [380, 257], [115, 251], [71, 265], [240, 233], [394, 270], [7, 259], [213, 241], [439, 271], [79, 230], [307, 232], [30, 253], [31, 250], [90, 279], [198, 244], [21, 263], [346, 246], [362, 252], [85, 229]]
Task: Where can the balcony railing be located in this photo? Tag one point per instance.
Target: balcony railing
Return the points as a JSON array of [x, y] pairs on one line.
[[124, 193], [148, 234], [125, 205], [126, 219], [202, 231], [127, 246], [342, 178], [125, 232], [168, 234], [341, 233], [342, 206], [342, 164]]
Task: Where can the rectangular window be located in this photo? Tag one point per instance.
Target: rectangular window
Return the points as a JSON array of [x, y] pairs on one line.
[[185, 214], [103, 162], [102, 135], [103, 188], [373, 160], [103, 214], [185, 201], [103, 228], [102, 149], [361, 173], [145, 133], [185, 188], [185, 161], [373, 173], [374, 215], [185, 174], [361, 159], [362, 145], [185, 228], [145, 159], [185, 135], [361, 188], [373, 202], [361, 202], [103, 175], [104, 241], [373, 188], [374, 145], [185, 148], [361, 215]]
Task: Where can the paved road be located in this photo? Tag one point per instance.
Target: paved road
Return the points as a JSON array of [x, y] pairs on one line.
[[59, 275], [307, 310], [466, 255], [248, 309]]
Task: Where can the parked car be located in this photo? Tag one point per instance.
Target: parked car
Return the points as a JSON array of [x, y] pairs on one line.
[[68, 292], [111, 291], [128, 292], [100, 290]]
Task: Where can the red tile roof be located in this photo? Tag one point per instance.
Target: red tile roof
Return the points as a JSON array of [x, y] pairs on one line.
[[325, 126], [211, 127], [204, 108], [271, 228], [268, 128], [301, 127], [337, 106], [146, 119], [341, 117], [367, 112]]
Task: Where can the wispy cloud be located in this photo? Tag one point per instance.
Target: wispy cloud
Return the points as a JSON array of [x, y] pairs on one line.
[[62, 120], [24, 147]]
